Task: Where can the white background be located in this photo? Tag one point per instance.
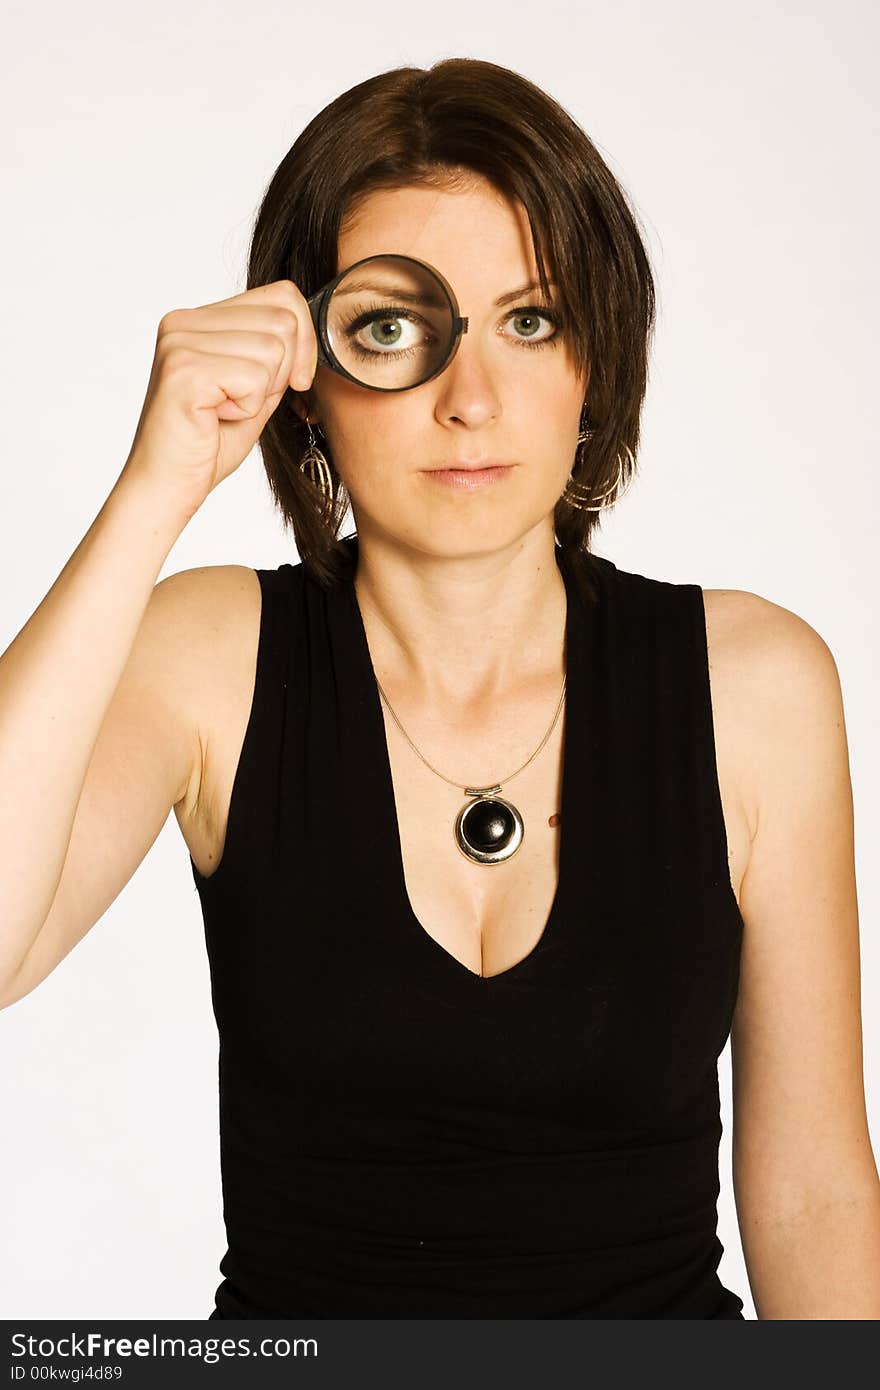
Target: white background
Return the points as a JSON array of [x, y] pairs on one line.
[[138, 142]]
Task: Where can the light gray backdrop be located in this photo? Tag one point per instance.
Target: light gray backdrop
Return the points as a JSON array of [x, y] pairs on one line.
[[138, 143]]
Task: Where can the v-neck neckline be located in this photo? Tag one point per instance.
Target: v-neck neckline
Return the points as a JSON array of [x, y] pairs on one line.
[[573, 714]]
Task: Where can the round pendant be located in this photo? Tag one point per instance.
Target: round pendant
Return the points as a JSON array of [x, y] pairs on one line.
[[488, 829]]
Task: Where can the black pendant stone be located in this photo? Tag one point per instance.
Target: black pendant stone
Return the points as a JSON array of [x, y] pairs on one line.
[[488, 825]]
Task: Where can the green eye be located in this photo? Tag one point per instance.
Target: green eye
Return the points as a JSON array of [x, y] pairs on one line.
[[533, 312]]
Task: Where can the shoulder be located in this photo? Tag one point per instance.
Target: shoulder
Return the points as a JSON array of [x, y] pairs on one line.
[[778, 682], [197, 618], [770, 648], [755, 616], [757, 641], [213, 614], [210, 619], [760, 641], [211, 589], [207, 613]]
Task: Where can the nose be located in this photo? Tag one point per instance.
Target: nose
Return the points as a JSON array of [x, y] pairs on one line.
[[466, 389]]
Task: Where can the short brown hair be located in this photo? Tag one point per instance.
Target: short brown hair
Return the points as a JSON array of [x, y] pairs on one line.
[[434, 127]]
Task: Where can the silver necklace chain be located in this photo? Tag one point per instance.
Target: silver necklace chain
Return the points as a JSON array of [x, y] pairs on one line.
[[497, 785]]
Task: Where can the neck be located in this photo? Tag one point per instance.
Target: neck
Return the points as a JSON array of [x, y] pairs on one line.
[[461, 633]]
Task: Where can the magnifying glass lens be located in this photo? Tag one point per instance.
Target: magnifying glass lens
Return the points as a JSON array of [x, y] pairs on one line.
[[390, 323]]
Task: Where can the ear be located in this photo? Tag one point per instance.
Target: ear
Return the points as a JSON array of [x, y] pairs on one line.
[[302, 407]]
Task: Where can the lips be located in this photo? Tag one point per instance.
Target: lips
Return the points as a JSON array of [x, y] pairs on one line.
[[469, 465]]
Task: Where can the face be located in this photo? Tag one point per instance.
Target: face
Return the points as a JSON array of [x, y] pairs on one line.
[[511, 393]]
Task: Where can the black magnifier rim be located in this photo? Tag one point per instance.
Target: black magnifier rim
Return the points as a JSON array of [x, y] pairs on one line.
[[319, 302]]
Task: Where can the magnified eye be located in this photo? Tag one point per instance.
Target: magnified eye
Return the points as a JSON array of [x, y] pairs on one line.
[[385, 330], [389, 322]]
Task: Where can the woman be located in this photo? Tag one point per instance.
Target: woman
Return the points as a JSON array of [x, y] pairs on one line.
[[489, 869]]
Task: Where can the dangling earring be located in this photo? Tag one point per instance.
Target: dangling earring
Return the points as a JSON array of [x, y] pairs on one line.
[[576, 493], [315, 467]]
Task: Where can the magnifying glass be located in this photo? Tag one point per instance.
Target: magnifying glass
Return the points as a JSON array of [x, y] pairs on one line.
[[389, 322]]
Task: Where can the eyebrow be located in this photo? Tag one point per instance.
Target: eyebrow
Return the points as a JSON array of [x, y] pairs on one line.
[[523, 290], [432, 301]]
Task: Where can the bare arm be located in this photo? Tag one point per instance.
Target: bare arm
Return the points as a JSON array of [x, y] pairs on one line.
[[805, 1178], [57, 679], [97, 731]]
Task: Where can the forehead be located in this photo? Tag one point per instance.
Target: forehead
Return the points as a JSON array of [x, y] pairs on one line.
[[462, 231]]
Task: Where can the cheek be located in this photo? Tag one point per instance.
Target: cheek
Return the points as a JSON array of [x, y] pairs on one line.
[[373, 456], [375, 436], [551, 401], [546, 425]]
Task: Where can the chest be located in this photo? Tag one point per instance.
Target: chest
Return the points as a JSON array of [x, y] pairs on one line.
[[488, 917]]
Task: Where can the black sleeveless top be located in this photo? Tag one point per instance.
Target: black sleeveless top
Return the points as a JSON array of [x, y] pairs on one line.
[[401, 1137]]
